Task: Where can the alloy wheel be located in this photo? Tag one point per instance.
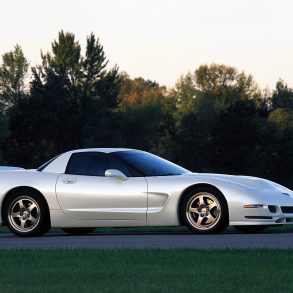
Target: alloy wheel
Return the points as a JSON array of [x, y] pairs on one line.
[[24, 214], [203, 211]]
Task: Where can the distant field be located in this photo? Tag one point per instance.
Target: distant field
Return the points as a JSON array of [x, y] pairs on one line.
[[149, 270]]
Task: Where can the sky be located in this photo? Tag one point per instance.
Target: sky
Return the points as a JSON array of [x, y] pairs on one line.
[[162, 39]]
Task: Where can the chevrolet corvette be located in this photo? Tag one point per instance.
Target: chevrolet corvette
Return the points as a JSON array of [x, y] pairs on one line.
[[83, 189]]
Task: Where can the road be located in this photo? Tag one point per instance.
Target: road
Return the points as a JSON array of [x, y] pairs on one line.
[[151, 240]]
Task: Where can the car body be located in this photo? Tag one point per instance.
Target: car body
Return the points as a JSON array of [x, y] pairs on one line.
[[75, 197]]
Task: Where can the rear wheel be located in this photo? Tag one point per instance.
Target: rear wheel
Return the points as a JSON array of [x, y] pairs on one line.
[[26, 214], [204, 211], [78, 231], [250, 229]]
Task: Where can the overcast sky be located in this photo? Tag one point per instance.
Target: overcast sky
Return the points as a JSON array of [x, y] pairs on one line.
[[162, 39]]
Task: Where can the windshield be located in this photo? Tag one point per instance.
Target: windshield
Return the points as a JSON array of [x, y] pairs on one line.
[[148, 164]]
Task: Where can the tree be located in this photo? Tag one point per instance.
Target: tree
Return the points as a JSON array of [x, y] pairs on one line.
[[223, 84], [142, 113], [191, 139], [282, 96], [279, 147], [238, 145], [217, 106], [226, 83], [70, 104], [13, 72], [184, 93], [139, 91]]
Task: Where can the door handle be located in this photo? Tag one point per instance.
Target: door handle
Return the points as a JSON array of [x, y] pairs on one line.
[[69, 181]]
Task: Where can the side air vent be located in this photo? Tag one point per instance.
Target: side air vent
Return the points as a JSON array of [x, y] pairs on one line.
[[258, 217], [287, 210], [272, 209]]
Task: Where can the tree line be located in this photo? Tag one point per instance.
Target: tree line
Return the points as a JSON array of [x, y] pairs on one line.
[[215, 119]]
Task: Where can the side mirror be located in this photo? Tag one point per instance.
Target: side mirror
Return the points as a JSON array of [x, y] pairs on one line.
[[115, 173]]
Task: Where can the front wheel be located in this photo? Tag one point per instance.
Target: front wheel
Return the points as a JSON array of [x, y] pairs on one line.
[[204, 211], [78, 231]]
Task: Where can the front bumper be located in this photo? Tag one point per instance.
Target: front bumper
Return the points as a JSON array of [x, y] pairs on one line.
[[273, 208], [265, 216]]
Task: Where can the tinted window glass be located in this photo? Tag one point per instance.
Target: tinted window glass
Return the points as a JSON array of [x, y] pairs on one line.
[[148, 164], [94, 164]]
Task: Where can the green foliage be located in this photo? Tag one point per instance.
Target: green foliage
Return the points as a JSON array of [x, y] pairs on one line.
[[237, 140], [70, 105], [213, 119], [141, 111], [225, 83], [279, 150], [13, 72], [282, 96], [138, 91], [222, 84]]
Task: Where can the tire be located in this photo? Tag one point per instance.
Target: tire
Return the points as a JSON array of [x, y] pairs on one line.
[[78, 231], [204, 210], [250, 229], [26, 214]]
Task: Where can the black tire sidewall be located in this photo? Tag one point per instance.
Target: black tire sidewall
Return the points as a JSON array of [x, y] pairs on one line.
[[224, 218]]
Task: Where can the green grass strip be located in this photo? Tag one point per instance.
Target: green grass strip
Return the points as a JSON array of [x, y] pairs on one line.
[[147, 270], [159, 229]]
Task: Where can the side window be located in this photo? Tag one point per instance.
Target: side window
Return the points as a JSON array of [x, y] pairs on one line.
[[93, 164]]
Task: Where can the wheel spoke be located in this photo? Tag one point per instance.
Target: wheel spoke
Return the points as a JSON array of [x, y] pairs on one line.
[[21, 205], [22, 223], [201, 200], [199, 220], [193, 210], [16, 215], [212, 205], [210, 217], [32, 219], [32, 206]]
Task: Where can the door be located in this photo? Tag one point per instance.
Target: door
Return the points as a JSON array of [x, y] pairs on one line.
[[84, 193]]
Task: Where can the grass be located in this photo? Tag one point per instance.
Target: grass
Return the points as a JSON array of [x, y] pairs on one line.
[[149, 270], [161, 230]]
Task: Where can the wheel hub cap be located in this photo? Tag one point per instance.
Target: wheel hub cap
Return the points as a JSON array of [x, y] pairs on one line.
[[204, 210], [25, 213]]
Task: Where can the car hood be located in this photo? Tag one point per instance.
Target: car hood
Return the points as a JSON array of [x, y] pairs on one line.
[[247, 182]]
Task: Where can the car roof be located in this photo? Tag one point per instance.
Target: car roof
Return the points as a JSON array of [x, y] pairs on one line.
[[102, 150]]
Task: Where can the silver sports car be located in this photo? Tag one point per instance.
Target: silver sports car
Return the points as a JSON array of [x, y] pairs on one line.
[[83, 189]]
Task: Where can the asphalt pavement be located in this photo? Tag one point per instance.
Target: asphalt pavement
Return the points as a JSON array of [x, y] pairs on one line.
[[151, 240]]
